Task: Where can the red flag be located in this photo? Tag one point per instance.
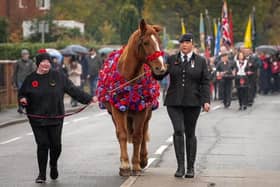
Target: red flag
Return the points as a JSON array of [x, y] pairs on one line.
[[225, 26], [231, 28]]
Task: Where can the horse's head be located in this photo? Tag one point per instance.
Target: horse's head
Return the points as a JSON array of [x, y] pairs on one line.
[[149, 47]]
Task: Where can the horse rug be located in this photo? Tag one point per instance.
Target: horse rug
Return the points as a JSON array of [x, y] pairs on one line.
[[113, 88]]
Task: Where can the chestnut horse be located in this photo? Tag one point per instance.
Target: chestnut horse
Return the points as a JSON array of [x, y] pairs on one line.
[[132, 125]]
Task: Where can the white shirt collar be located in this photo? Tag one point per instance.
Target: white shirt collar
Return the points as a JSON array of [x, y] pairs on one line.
[[189, 55]]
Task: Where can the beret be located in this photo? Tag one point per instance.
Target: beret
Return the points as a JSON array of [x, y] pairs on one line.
[[43, 56]]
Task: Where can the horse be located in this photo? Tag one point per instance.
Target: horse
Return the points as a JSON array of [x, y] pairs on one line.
[[135, 64]]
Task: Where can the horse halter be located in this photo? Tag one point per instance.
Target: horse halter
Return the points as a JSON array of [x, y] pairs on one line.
[[152, 56]]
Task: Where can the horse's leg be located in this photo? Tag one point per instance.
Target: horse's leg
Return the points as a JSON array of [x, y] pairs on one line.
[[144, 151], [137, 139], [120, 120]]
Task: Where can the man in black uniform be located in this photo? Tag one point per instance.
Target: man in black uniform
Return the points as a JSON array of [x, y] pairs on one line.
[[187, 92], [225, 69], [252, 71]]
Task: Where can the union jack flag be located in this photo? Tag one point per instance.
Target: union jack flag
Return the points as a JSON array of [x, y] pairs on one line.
[[225, 26]]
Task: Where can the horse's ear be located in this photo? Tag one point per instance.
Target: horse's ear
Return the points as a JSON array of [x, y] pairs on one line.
[[143, 27], [157, 28]]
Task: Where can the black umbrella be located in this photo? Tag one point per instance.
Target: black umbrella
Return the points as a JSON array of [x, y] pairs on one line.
[[268, 49], [67, 52], [77, 48]]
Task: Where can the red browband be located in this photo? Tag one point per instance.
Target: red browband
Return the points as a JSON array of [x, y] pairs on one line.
[[154, 56]]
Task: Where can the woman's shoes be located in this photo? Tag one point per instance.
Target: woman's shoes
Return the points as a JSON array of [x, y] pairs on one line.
[[180, 172], [54, 173], [40, 179], [190, 173]]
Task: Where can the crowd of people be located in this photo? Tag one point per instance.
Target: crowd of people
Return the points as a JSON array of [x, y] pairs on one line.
[[240, 74]]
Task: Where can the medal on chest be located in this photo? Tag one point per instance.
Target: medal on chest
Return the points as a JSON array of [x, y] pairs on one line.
[[192, 63]]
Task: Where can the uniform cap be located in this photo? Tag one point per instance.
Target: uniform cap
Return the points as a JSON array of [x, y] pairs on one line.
[[186, 37]]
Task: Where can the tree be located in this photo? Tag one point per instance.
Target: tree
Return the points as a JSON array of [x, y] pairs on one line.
[[3, 30], [128, 21]]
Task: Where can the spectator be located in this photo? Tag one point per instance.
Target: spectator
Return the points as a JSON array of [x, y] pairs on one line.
[[24, 66], [94, 66], [74, 74]]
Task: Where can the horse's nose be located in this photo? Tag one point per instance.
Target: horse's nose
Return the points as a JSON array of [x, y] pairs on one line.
[[157, 69]]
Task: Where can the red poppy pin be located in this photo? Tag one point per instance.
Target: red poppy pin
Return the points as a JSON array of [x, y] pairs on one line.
[[35, 84]]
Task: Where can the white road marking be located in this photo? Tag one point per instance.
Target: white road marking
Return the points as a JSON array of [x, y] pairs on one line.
[[66, 122], [29, 134], [11, 140], [216, 107], [80, 119], [161, 149], [169, 140], [101, 114], [128, 182], [150, 161]]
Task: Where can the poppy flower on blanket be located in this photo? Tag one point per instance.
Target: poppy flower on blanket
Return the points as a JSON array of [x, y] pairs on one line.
[[144, 93]]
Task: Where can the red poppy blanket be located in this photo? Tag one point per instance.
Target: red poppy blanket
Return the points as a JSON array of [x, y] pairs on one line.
[[144, 93]]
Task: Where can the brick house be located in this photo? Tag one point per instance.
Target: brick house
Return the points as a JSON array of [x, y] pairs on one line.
[[16, 11]]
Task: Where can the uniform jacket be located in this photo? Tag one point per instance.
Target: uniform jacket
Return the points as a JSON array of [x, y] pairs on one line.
[[189, 81], [45, 93]]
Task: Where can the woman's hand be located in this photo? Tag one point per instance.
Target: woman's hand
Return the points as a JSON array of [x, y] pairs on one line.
[[206, 107], [94, 99], [23, 101]]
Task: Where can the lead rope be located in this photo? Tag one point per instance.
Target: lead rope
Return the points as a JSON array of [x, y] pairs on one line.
[[82, 108]]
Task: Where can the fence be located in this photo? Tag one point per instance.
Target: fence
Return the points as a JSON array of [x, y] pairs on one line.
[[8, 94]]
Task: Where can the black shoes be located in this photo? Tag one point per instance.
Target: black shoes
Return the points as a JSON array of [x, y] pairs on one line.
[[40, 179], [190, 173], [180, 172], [244, 107], [54, 173]]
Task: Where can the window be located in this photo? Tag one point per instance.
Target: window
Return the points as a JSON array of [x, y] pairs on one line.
[[43, 4]]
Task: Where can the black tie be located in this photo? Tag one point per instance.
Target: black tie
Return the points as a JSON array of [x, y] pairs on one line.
[[185, 58]]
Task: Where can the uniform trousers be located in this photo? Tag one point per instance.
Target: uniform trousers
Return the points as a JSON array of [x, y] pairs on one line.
[[227, 88], [48, 139], [184, 123]]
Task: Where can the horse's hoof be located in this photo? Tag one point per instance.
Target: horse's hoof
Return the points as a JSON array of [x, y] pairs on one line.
[[143, 164], [124, 172], [136, 172]]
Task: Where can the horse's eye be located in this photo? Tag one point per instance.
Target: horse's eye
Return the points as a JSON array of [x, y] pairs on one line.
[[146, 43]]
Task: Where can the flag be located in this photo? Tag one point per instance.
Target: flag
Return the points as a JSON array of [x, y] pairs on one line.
[[202, 32], [254, 29], [215, 27], [217, 40], [183, 27], [209, 37], [225, 26], [248, 34], [231, 28]]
